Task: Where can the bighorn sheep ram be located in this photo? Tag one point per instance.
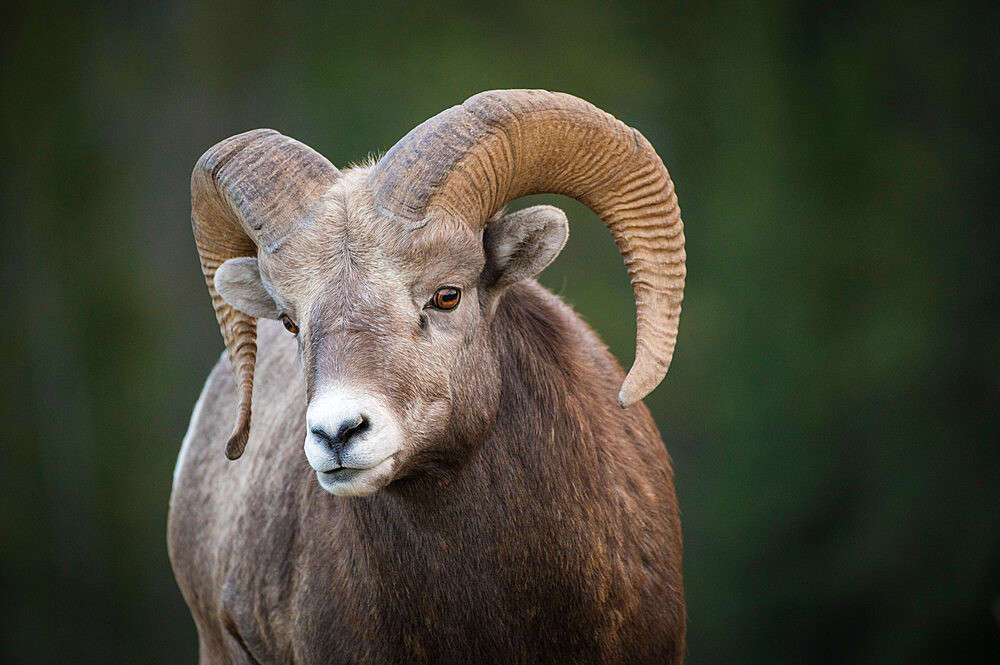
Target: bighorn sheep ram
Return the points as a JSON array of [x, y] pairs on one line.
[[483, 494]]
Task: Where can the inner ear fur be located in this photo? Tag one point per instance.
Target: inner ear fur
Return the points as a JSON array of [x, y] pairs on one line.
[[521, 244], [239, 283]]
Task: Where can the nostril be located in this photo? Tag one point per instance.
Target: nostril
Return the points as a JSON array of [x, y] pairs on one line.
[[351, 428], [321, 433]]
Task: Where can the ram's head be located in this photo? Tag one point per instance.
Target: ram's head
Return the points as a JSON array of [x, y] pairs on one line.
[[389, 275]]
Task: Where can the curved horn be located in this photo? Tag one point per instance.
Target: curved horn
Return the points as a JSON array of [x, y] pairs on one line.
[[248, 193], [470, 160]]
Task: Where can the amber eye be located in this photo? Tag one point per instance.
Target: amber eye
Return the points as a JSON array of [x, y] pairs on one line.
[[446, 297], [289, 324]]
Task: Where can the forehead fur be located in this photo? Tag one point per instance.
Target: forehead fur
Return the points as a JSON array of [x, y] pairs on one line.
[[345, 237]]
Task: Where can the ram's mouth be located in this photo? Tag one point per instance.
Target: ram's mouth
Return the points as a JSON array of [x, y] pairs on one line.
[[341, 477], [349, 481], [341, 473]]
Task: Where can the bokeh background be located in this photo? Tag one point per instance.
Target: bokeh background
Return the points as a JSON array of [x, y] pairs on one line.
[[832, 410]]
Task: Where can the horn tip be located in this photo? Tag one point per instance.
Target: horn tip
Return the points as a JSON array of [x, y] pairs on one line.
[[642, 379], [627, 397], [238, 441]]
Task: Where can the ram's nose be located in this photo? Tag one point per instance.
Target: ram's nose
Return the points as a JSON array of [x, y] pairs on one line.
[[335, 428], [349, 429]]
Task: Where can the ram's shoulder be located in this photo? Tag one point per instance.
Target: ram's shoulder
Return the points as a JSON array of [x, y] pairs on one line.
[[278, 378], [278, 384], [206, 530]]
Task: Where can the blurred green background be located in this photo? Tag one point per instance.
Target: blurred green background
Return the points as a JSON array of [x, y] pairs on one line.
[[832, 409]]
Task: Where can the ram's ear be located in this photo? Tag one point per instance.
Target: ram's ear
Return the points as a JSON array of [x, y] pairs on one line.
[[238, 282], [519, 245]]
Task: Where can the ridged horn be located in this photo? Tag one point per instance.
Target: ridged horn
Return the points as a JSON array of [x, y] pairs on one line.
[[470, 160], [248, 193]]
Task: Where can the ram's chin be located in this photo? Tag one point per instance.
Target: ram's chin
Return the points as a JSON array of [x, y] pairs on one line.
[[357, 482]]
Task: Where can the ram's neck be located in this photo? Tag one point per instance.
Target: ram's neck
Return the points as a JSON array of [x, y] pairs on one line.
[[558, 439], [524, 529]]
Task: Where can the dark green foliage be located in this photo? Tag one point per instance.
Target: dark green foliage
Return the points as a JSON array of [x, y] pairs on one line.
[[832, 409]]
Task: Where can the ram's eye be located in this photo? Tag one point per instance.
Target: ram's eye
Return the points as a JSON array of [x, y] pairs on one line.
[[446, 297], [289, 324]]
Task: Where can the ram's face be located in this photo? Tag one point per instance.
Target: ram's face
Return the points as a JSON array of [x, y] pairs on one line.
[[390, 272], [391, 326]]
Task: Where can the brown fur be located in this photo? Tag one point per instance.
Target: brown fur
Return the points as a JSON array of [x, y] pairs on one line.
[[547, 533]]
